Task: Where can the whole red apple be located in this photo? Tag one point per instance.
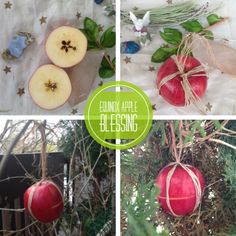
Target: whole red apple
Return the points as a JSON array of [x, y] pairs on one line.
[[44, 201], [181, 189], [172, 91]]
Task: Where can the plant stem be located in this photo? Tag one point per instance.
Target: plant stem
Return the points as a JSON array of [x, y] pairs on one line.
[[109, 61], [106, 55], [12, 209], [11, 147], [222, 142]]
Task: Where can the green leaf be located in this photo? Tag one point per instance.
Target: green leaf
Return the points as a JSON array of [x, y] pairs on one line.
[[188, 138], [108, 39], [114, 62], [106, 73], [91, 28], [192, 26], [171, 36], [105, 63], [213, 18], [208, 34], [217, 124], [92, 46], [88, 36], [163, 53]]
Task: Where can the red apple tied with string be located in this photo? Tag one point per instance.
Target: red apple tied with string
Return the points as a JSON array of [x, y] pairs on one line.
[[44, 201], [181, 189], [187, 84]]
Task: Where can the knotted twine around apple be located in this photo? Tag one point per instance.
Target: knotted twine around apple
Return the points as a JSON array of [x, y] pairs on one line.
[[181, 186], [44, 200], [187, 84]]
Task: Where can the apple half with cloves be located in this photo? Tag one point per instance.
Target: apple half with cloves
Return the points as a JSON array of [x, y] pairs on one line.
[[66, 46], [50, 87]]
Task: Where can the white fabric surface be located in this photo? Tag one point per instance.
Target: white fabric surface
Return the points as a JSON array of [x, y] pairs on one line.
[[221, 91], [24, 15]]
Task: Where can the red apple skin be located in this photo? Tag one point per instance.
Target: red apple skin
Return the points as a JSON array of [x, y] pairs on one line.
[[172, 91], [182, 192], [47, 201]]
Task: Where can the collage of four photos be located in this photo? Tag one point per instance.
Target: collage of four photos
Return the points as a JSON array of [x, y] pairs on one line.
[[118, 117]]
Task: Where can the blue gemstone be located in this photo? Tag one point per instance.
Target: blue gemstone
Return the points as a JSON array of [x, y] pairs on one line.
[[129, 47], [98, 1], [17, 45]]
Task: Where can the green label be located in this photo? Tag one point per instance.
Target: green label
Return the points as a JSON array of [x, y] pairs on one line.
[[118, 111]]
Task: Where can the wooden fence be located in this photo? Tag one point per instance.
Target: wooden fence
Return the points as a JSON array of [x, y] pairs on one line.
[[13, 185]]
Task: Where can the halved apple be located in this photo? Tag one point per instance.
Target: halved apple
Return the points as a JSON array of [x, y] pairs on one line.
[[50, 87], [66, 46]]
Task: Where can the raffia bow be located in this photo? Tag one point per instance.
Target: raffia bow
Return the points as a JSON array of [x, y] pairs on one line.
[[190, 95], [187, 168], [196, 183], [184, 49]]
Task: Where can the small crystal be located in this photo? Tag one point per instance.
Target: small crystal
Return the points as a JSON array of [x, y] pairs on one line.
[[98, 1], [129, 47]]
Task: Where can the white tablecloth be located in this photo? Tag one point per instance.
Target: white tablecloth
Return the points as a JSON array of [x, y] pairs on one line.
[[24, 15], [221, 91]]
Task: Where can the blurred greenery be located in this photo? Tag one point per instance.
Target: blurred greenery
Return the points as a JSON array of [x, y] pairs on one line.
[[76, 141], [141, 215]]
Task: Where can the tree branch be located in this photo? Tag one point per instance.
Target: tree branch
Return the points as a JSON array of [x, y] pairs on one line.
[[11, 147]]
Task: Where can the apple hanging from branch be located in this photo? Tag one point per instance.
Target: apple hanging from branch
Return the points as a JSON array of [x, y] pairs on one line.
[[44, 201]]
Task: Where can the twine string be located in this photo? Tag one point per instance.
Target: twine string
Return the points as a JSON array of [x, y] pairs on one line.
[[185, 49], [187, 168], [168, 179], [43, 156], [173, 140], [194, 38], [195, 180]]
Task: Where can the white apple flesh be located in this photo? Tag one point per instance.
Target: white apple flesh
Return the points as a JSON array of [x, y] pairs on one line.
[[66, 46], [50, 87]]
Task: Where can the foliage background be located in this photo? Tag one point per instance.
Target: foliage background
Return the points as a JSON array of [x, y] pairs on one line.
[[89, 175], [204, 146]]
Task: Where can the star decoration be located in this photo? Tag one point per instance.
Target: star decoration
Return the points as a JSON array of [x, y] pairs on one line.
[[43, 20], [208, 107], [135, 8], [21, 91], [8, 5], [100, 28], [154, 107], [78, 15], [101, 83], [127, 60], [151, 68], [169, 1], [74, 111], [7, 69]]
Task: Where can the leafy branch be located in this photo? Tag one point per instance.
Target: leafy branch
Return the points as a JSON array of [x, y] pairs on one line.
[[173, 37], [138, 205], [104, 41]]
